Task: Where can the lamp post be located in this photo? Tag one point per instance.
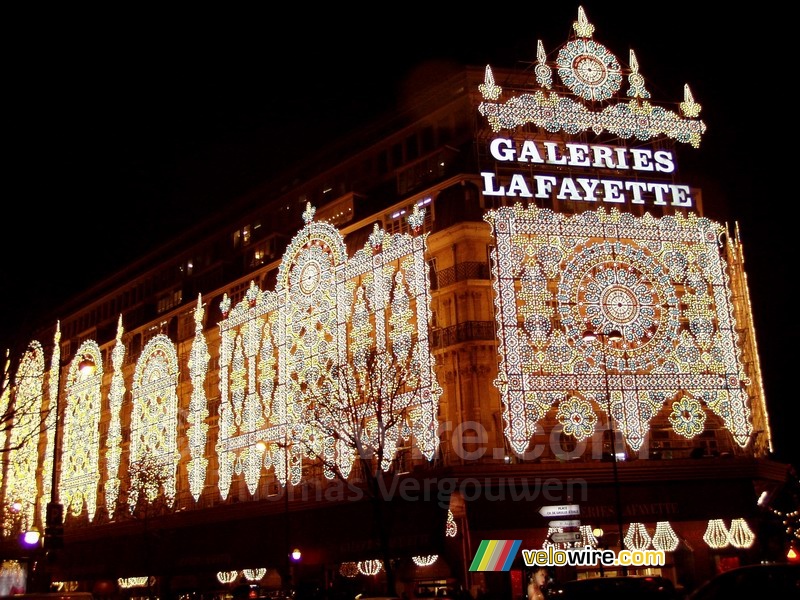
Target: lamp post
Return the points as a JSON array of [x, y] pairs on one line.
[[613, 336], [54, 518], [290, 554]]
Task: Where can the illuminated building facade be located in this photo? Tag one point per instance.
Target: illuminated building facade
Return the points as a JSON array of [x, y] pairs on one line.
[[425, 296]]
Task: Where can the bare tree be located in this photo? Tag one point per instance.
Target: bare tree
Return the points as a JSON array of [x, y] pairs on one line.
[[21, 400], [354, 417], [26, 412], [143, 499]]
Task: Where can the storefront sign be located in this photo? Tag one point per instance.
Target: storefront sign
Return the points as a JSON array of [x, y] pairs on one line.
[[588, 158]]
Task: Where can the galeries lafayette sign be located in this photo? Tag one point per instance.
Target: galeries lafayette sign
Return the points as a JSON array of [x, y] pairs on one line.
[[576, 156]]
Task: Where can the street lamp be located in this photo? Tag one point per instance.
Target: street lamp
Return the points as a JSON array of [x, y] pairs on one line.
[[290, 554], [611, 337], [54, 519]]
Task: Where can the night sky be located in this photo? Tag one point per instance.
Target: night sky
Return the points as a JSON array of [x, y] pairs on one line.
[[122, 127]]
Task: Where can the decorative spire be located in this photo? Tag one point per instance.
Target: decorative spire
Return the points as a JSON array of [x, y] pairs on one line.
[[488, 89], [635, 80], [199, 312], [253, 291], [689, 107], [544, 74], [308, 213], [582, 26], [416, 218], [376, 238], [225, 305]]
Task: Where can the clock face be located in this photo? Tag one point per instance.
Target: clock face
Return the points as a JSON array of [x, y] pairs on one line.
[[589, 69]]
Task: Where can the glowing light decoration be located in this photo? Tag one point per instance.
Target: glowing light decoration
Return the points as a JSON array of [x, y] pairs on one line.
[[52, 402], [425, 561], [132, 582], [80, 453], [23, 461], [740, 534], [348, 569], [587, 537], [227, 577], [197, 432], [590, 73], [577, 418], [661, 282], [716, 535], [687, 417], [326, 310], [254, 574], [154, 419], [665, 538], [637, 537], [114, 439], [5, 400], [370, 567], [451, 527], [635, 80]]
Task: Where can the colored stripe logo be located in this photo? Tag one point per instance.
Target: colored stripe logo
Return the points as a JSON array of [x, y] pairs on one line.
[[495, 555]]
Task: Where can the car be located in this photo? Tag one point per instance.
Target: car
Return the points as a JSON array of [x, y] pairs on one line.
[[622, 587], [767, 580]]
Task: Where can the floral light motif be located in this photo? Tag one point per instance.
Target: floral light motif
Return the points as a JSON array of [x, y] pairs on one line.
[[577, 418], [556, 276], [425, 561], [687, 417]]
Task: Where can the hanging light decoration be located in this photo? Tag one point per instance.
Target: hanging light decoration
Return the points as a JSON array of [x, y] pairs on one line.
[[664, 538], [741, 536], [370, 567], [254, 574], [227, 577], [587, 536], [716, 535], [451, 527], [132, 582], [348, 569], [637, 537], [425, 561]]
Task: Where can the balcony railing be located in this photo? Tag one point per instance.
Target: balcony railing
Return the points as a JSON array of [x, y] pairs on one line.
[[463, 270], [463, 332]]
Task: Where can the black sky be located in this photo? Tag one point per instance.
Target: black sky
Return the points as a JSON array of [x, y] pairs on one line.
[[121, 128]]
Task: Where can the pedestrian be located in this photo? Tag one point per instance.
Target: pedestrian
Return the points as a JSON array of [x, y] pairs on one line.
[[536, 583]]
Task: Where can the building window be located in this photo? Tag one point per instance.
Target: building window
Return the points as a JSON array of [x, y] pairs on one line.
[[169, 301]]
